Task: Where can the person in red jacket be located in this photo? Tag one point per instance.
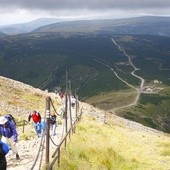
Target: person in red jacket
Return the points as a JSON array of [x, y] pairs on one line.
[[36, 118]]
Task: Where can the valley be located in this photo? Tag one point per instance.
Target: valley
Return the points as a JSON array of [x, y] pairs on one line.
[[127, 73]]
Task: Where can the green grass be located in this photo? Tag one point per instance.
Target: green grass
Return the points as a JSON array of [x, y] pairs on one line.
[[93, 147], [154, 99], [112, 99], [152, 110]]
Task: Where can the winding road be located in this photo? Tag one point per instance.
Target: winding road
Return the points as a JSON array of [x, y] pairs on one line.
[[139, 90]]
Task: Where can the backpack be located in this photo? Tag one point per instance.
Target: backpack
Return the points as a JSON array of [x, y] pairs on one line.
[[10, 118], [4, 149]]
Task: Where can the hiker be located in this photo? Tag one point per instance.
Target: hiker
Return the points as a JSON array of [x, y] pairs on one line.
[[9, 134], [36, 118], [4, 149], [53, 123], [73, 101], [10, 118]]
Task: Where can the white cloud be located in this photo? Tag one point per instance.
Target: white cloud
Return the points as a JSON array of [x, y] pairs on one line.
[[88, 4], [18, 11]]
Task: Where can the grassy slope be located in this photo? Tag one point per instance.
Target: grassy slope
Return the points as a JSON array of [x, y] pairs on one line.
[[152, 110], [19, 99], [97, 146], [94, 145], [112, 99]]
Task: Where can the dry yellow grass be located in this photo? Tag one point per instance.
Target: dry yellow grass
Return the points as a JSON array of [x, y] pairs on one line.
[[19, 99], [99, 146]]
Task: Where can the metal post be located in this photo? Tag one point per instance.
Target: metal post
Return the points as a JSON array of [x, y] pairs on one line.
[[47, 131]]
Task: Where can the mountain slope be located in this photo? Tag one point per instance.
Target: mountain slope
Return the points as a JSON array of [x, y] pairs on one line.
[[116, 146], [19, 99], [101, 139]]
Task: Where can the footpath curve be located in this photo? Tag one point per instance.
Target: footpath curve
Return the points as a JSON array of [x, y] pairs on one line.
[[138, 90]]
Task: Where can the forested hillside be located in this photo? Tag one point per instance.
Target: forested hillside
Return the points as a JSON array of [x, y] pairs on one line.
[[41, 60], [100, 66]]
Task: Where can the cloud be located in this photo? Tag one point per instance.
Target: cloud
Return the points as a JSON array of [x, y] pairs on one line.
[[85, 4], [17, 11]]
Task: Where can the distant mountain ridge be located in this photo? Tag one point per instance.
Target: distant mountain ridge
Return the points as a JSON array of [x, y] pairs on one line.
[[26, 27], [2, 34], [141, 25], [148, 25]]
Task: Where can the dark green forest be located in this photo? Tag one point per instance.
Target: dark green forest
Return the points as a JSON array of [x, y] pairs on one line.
[[42, 59]]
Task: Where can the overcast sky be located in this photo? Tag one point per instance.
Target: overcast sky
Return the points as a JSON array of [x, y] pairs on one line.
[[19, 11]]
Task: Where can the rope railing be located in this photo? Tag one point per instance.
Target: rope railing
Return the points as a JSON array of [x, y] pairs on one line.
[[39, 150], [53, 141], [58, 149], [46, 135], [23, 124], [54, 108]]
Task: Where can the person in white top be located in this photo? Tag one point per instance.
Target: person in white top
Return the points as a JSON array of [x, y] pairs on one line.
[[73, 101]]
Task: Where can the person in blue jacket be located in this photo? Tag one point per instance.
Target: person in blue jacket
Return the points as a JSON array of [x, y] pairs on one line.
[[9, 134], [4, 149]]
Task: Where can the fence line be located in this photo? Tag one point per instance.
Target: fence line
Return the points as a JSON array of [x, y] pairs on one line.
[[63, 141], [46, 135]]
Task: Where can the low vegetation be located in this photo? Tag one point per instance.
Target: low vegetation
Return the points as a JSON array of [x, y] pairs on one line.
[[100, 146], [24, 58], [112, 99], [152, 110], [19, 99]]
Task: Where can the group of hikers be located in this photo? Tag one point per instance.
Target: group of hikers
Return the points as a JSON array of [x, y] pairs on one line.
[[39, 123], [9, 135]]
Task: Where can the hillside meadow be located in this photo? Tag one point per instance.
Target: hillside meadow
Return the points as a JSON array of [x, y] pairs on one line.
[[96, 144], [152, 110], [19, 99], [112, 146]]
